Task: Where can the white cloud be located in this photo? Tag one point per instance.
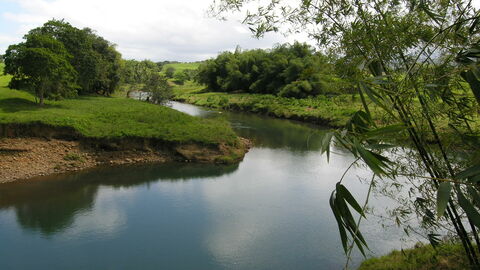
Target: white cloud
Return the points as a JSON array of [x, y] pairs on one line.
[[158, 30]]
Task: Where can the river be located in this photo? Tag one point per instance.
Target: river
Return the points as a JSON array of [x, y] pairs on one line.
[[270, 211]]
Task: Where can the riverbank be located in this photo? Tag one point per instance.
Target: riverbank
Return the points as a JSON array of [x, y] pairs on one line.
[[321, 110], [445, 256], [24, 158], [54, 138]]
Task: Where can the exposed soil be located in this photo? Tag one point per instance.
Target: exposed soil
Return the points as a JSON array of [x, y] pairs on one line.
[[23, 158], [36, 149]]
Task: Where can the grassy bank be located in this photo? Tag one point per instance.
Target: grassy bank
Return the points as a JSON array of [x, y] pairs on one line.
[[323, 110], [102, 117], [447, 256]]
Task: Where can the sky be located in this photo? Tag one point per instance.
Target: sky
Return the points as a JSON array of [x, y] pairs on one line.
[[159, 30]]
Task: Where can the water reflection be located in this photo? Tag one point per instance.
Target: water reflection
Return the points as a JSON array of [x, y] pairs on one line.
[[50, 206], [265, 131], [269, 212]]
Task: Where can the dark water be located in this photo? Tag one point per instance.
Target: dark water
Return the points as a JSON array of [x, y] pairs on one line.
[[269, 212]]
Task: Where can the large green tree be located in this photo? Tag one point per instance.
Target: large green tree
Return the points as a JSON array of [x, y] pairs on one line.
[[41, 64], [95, 59], [158, 87], [408, 58]]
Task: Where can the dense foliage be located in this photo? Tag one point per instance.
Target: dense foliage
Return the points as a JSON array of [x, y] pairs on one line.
[[146, 76], [138, 72], [286, 70], [60, 46], [41, 64], [160, 90], [419, 62]]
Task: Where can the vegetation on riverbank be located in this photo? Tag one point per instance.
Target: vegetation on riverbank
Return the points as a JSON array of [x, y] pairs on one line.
[[333, 112], [103, 117], [425, 257]]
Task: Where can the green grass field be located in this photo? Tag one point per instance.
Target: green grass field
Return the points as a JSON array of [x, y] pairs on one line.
[[181, 66], [333, 111], [115, 117]]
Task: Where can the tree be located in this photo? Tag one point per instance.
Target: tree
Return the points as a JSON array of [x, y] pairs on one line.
[[412, 57], [95, 59], [169, 72], [41, 64], [180, 77], [159, 89]]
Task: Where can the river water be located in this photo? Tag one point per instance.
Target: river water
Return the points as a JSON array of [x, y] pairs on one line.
[[270, 211]]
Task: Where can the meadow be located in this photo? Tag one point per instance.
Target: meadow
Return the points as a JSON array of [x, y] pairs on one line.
[[328, 111], [179, 67], [112, 117]]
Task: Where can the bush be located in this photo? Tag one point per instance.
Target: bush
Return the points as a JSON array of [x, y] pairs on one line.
[[287, 70], [180, 78], [169, 72]]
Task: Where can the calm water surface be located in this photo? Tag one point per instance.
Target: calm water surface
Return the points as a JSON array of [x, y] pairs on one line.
[[268, 212]]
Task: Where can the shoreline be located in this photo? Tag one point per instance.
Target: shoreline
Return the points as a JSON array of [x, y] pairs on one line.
[[25, 158], [234, 105]]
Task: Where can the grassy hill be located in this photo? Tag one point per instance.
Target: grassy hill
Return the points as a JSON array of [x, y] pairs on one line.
[[181, 66], [115, 117]]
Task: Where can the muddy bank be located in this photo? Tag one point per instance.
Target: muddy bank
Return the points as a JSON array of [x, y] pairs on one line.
[[32, 150], [23, 158]]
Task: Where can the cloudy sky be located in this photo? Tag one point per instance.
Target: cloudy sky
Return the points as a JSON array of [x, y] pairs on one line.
[[142, 29]]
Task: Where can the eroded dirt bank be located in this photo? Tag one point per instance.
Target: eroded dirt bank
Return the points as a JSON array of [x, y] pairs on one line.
[[28, 151], [23, 158]]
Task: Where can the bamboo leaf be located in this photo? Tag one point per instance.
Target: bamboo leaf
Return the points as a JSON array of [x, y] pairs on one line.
[[371, 159], [443, 196], [325, 147], [384, 131], [474, 83], [376, 98], [471, 212], [473, 25], [475, 196], [469, 172], [349, 198], [341, 227], [364, 103]]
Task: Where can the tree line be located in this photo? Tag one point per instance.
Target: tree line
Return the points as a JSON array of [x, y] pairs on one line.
[[288, 70], [58, 60]]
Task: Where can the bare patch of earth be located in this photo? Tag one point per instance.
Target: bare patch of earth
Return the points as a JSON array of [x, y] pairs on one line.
[[23, 158]]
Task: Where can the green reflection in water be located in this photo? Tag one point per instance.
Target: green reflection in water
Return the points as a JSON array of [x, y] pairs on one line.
[[50, 205]]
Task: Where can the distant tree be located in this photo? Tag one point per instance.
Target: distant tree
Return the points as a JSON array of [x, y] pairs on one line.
[[41, 64], [160, 65], [157, 85], [289, 70], [180, 77], [169, 72], [189, 74], [138, 72]]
